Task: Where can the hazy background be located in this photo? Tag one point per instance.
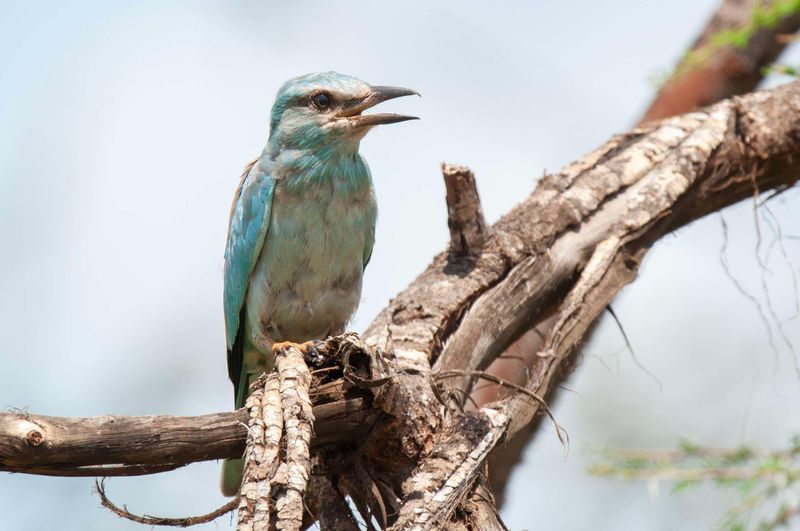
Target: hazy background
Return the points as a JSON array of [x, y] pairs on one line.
[[124, 128]]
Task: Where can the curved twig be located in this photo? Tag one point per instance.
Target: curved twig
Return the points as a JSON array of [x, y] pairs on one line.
[[561, 433], [123, 512]]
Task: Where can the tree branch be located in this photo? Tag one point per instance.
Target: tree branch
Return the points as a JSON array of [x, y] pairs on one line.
[[714, 70], [709, 72], [563, 253], [604, 211], [123, 512], [464, 212], [707, 160], [441, 482], [85, 446]]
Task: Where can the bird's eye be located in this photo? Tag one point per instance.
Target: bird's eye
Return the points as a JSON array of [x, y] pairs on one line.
[[321, 100]]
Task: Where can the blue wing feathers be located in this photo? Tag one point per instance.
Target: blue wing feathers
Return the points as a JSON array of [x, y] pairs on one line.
[[249, 222]]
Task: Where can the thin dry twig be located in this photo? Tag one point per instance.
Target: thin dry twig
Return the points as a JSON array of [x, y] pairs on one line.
[[775, 225], [723, 260], [156, 520], [634, 357], [561, 433], [762, 264]]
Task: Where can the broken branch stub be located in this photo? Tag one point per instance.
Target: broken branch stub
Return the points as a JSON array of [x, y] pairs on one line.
[[464, 212], [567, 249]]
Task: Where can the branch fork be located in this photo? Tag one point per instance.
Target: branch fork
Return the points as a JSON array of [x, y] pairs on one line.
[[395, 446]]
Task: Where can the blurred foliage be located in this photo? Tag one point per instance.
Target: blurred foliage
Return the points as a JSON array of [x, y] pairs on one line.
[[787, 70], [767, 481], [761, 18]]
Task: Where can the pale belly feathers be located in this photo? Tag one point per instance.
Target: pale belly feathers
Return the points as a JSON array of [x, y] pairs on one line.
[[307, 281]]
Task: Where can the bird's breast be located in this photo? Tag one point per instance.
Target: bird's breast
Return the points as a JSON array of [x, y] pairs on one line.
[[307, 281]]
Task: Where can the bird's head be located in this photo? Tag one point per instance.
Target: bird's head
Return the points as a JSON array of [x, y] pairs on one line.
[[324, 111]]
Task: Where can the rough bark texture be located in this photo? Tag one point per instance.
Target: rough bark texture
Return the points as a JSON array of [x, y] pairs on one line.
[[127, 446], [706, 160], [464, 212], [436, 488], [260, 459], [277, 462], [707, 74], [563, 253], [572, 245], [298, 419]]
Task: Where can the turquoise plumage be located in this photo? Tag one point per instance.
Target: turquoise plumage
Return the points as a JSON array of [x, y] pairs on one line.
[[249, 222], [302, 226]]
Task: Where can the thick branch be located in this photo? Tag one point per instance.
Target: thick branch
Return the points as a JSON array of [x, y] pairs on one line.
[[37, 444], [699, 163], [710, 73], [706, 160], [707, 74], [578, 239], [441, 481], [563, 253]]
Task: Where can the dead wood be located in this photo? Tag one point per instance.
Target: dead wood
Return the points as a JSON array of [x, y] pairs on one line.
[[563, 253]]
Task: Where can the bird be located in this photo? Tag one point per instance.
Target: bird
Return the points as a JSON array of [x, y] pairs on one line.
[[301, 227]]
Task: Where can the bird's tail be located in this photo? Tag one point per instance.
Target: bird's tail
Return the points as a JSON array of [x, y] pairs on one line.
[[231, 478]]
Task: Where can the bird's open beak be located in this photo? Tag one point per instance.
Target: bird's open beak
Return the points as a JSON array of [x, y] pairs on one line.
[[376, 95]]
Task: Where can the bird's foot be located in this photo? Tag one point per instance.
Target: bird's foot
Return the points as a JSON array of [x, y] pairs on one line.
[[309, 349], [281, 345]]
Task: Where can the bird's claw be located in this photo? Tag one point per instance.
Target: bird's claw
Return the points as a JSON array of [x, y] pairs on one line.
[[309, 349], [282, 345]]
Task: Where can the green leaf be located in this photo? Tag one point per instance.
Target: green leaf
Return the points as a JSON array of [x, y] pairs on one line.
[[683, 485], [771, 464]]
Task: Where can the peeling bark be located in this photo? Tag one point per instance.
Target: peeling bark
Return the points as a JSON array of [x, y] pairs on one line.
[[298, 419], [715, 73], [129, 446], [261, 457], [563, 253], [277, 462], [437, 487]]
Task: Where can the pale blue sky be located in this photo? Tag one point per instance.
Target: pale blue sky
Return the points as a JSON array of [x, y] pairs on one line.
[[124, 127]]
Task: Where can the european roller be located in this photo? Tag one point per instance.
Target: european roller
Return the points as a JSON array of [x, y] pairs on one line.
[[301, 228]]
